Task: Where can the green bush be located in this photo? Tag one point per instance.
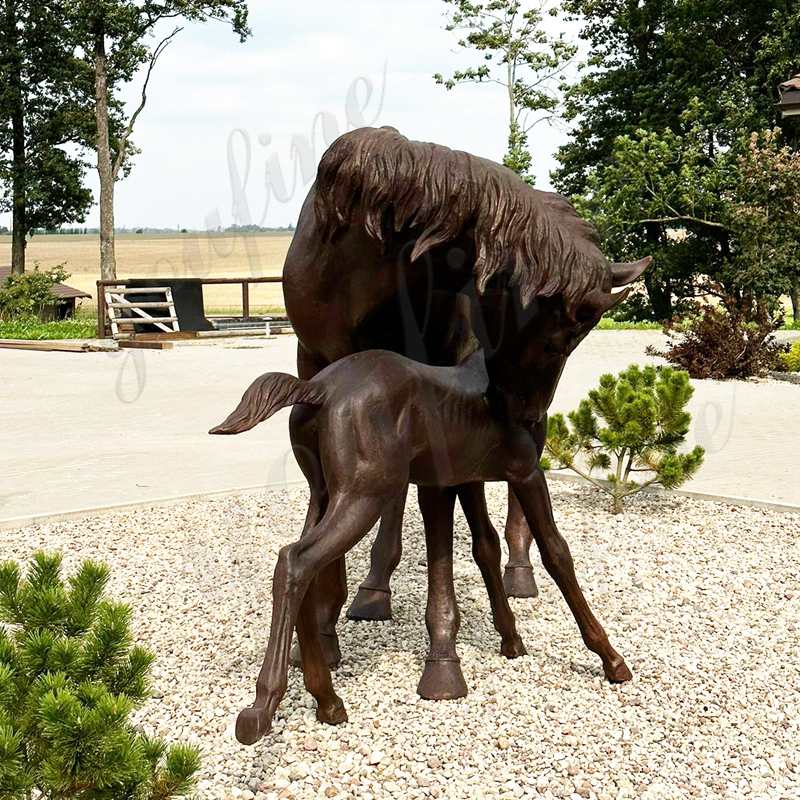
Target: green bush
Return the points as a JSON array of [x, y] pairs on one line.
[[791, 360], [644, 411], [70, 676], [29, 294]]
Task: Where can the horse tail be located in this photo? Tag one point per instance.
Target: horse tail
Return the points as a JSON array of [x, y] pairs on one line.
[[266, 395]]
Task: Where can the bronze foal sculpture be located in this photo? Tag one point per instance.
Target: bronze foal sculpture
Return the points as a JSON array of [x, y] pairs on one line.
[[361, 430], [391, 238]]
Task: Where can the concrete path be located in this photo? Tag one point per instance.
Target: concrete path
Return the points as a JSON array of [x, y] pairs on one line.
[[79, 431]]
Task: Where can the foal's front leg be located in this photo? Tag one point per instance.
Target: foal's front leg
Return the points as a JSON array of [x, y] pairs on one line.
[[487, 554], [557, 559], [442, 678]]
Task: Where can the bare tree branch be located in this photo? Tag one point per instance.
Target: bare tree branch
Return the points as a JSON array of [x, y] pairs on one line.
[[122, 142]]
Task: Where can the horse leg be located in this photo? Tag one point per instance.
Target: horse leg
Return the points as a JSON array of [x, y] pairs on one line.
[[316, 672], [557, 559], [442, 678], [487, 555], [332, 583], [346, 521], [373, 601], [518, 577]]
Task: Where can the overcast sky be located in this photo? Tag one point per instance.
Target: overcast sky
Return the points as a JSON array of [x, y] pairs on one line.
[[213, 100]]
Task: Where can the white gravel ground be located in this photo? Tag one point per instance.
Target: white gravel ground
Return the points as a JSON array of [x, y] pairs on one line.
[[702, 599]]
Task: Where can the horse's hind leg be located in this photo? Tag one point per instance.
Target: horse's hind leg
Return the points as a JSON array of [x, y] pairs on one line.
[[487, 555], [373, 601], [316, 672], [332, 582], [518, 577], [442, 678], [347, 519]]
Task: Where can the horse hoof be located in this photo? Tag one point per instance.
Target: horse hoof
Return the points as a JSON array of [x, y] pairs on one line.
[[519, 582], [251, 725], [617, 672], [330, 650], [333, 713], [371, 605], [513, 648], [442, 680]]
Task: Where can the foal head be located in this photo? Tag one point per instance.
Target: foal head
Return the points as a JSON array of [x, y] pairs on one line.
[[530, 343]]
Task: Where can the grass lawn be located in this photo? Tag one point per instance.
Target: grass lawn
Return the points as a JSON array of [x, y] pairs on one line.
[[63, 329]]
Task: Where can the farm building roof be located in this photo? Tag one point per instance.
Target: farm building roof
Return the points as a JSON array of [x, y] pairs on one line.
[[60, 290], [792, 85]]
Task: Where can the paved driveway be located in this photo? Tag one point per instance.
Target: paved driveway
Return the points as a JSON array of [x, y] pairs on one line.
[[80, 431]]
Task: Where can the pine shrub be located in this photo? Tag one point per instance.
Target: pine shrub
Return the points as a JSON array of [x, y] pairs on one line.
[[631, 424], [70, 676]]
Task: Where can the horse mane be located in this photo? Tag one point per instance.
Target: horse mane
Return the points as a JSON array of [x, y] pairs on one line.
[[378, 178]]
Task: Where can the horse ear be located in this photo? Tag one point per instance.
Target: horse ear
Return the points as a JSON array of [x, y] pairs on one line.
[[623, 274]]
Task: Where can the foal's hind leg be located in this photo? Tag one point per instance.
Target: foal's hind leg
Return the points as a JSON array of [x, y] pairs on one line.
[[373, 601], [487, 555], [347, 519], [518, 576], [442, 678], [535, 500]]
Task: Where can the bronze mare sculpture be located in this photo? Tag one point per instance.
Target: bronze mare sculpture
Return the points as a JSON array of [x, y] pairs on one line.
[[362, 429], [393, 237]]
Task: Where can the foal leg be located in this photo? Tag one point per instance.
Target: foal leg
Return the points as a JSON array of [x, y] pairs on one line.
[[486, 552], [442, 678], [373, 601], [557, 559], [347, 520], [518, 576], [316, 672]]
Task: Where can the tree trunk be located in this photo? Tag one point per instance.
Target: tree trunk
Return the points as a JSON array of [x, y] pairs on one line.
[[794, 293], [660, 296], [18, 170], [105, 169]]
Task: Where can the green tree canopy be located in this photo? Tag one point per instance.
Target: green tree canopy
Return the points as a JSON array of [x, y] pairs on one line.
[[685, 84], [41, 173]]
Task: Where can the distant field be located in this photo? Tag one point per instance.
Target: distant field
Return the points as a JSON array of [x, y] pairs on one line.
[[170, 255]]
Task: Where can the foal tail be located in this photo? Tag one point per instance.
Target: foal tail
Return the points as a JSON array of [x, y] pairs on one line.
[[266, 395]]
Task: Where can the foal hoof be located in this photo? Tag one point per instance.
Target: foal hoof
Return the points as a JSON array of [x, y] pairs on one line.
[[372, 605], [251, 725], [519, 582], [333, 713], [513, 648], [617, 672], [442, 680], [330, 650]]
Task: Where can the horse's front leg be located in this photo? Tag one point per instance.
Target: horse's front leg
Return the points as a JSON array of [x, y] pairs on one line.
[[534, 498], [518, 578], [373, 601], [442, 678]]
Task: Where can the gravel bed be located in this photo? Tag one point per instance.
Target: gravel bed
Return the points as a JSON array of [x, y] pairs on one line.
[[703, 600]]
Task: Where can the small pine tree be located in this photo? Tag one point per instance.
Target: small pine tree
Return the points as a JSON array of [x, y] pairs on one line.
[[70, 676], [644, 411]]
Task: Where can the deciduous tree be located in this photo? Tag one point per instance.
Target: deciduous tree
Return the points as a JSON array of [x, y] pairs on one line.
[[517, 54], [118, 38]]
